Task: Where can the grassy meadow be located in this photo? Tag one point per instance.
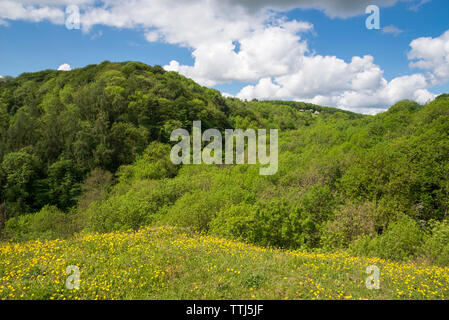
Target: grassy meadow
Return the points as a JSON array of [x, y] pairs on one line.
[[169, 263]]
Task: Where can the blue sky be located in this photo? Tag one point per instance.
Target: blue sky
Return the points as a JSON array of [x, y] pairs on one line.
[[33, 39]]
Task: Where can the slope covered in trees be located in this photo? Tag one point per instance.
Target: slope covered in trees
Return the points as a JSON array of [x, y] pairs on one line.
[[88, 150], [56, 127]]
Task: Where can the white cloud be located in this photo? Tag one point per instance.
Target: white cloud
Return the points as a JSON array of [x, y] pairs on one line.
[[431, 54], [152, 36], [227, 95], [21, 10], [4, 23], [64, 67], [357, 86], [391, 29], [266, 51]]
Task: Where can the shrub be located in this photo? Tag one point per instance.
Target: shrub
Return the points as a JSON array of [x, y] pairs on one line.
[[19, 228], [48, 223], [350, 222], [436, 245], [197, 209], [134, 208], [281, 224], [94, 188], [154, 163], [235, 222], [401, 241]]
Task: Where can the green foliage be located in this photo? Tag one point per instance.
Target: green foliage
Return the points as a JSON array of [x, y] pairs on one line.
[[100, 116], [94, 188], [63, 183], [20, 171], [344, 180], [350, 222], [436, 245], [19, 228], [402, 240], [235, 222], [207, 195], [132, 206], [154, 163], [278, 224], [48, 223]]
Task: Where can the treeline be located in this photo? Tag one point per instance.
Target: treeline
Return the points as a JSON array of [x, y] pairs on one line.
[[95, 156]]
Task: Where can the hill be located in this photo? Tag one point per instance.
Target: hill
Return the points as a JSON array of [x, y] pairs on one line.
[[56, 127]]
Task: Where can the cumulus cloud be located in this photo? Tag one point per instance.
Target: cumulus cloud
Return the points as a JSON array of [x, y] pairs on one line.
[[64, 67], [241, 40], [431, 54], [357, 86], [152, 36], [266, 51], [227, 95], [28, 11]]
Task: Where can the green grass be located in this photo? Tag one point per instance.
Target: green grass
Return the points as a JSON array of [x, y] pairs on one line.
[[168, 263]]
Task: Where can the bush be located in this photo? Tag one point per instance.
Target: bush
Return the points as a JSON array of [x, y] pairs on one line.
[[401, 241], [134, 208], [436, 245], [350, 222], [19, 228], [94, 188], [154, 163], [48, 223], [235, 222], [197, 209], [281, 224]]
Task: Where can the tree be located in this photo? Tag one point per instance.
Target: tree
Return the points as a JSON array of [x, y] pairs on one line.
[[21, 170]]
